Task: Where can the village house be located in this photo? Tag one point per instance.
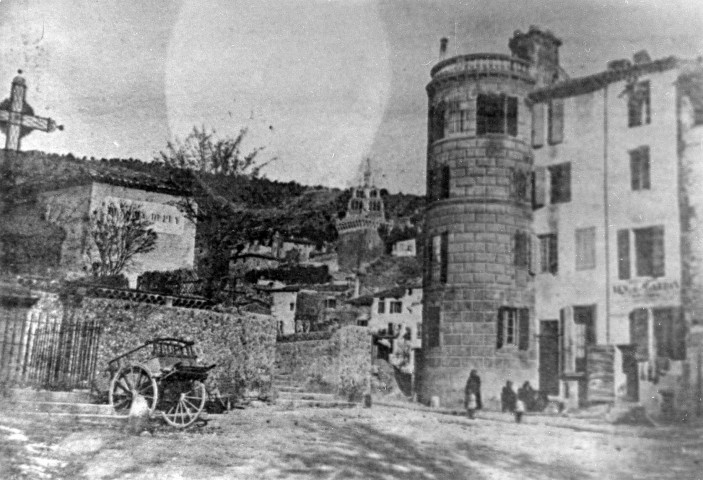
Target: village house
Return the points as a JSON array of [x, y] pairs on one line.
[[562, 243], [404, 248], [64, 191]]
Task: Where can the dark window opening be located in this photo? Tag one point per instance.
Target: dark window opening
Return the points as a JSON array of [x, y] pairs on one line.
[[670, 333], [639, 168], [522, 249], [521, 185], [649, 251], [584, 334], [445, 182], [638, 104], [381, 305], [432, 327], [549, 256], [560, 183], [436, 121], [496, 114], [444, 257], [396, 307], [331, 303]]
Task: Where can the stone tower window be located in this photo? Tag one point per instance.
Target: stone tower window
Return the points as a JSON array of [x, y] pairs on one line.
[[444, 257], [638, 105], [436, 121], [513, 328], [496, 114], [639, 168], [522, 249]]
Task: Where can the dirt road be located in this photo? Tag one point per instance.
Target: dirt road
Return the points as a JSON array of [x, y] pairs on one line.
[[378, 443]]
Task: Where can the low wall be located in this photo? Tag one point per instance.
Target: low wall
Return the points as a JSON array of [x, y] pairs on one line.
[[242, 345], [340, 364]]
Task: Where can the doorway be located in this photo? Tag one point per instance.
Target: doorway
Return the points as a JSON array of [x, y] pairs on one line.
[[549, 357]]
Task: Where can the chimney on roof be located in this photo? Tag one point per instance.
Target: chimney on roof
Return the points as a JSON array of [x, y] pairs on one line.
[[641, 57], [541, 49], [443, 48]]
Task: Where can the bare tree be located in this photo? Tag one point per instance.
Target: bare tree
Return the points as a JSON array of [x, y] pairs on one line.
[[217, 174], [120, 233]]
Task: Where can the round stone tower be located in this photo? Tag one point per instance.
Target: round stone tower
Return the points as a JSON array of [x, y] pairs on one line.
[[478, 309]]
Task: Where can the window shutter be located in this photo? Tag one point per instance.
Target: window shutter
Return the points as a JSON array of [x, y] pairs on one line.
[[512, 116], [657, 242], [635, 169], [444, 257], [539, 187], [679, 336], [568, 344], [556, 121], [553, 254], [645, 168], [430, 253], [499, 329], [430, 185], [524, 329], [535, 254], [432, 327], [623, 254], [537, 125]]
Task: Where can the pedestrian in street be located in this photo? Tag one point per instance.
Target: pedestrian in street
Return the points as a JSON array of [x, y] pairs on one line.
[[471, 405], [473, 386], [508, 397], [519, 410]]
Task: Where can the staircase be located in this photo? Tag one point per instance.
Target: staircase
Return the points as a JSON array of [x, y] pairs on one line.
[[70, 406], [292, 395]]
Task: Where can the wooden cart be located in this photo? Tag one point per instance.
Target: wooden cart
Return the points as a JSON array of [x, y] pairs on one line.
[[168, 377]]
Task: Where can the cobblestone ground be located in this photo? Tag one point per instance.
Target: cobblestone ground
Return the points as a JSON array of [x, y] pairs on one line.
[[377, 443]]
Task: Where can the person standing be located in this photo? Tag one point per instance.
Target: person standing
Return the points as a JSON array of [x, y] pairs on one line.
[[473, 386], [508, 397]]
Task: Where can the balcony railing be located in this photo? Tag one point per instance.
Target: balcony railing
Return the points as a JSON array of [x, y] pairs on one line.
[[481, 63]]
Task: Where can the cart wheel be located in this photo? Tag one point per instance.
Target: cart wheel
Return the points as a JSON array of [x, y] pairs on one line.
[[187, 405], [128, 381]]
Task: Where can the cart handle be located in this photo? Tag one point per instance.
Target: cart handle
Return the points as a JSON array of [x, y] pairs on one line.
[[117, 359], [186, 343]]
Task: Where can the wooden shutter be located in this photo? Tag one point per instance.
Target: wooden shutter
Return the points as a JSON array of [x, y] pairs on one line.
[[499, 328], [537, 125], [553, 254], [432, 327], [623, 254], [539, 187], [657, 245], [535, 254], [556, 121], [512, 116], [524, 329], [679, 335], [431, 190], [639, 333], [566, 316]]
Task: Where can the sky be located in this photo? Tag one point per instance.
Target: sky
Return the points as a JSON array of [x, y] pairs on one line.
[[321, 84]]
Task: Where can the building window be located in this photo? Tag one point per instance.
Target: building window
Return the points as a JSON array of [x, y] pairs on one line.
[[560, 183], [520, 186], [522, 249], [381, 305], [496, 114], [444, 257], [639, 168], [585, 248], [292, 306], [638, 109], [513, 328], [549, 257], [453, 117], [362, 323], [330, 303], [556, 121], [537, 125], [432, 328], [436, 121], [418, 331], [649, 251], [439, 183], [396, 307], [445, 177], [669, 333]]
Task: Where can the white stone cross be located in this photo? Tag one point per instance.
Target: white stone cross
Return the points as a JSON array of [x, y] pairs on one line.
[[17, 117]]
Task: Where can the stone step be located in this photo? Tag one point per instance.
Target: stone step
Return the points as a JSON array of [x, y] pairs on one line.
[[60, 408], [306, 396], [32, 395], [315, 404], [289, 388]]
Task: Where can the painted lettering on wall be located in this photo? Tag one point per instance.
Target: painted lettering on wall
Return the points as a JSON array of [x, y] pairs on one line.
[[647, 288], [164, 218]]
